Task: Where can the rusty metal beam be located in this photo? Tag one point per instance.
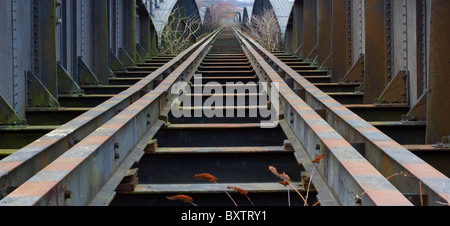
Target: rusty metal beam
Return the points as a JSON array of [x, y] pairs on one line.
[[386, 155], [298, 27], [100, 46], [375, 54], [78, 175], [19, 167], [44, 48], [289, 38], [339, 40], [145, 29], [129, 31], [309, 28], [437, 155], [324, 33], [438, 117], [347, 173]]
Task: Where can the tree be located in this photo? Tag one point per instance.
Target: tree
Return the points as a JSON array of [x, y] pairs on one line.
[[265, 30], [179, 33]]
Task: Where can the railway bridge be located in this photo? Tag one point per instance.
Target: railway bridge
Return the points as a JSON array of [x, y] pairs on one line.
[[99, 107]]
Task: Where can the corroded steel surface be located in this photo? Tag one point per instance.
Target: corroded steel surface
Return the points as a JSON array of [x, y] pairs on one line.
[[386, 155], [347, 172], [75, 178], [22, 165]]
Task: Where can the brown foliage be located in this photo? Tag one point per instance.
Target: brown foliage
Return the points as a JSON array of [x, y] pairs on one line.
[[240, 190], [181, 198], [318, 158], [206, 176]]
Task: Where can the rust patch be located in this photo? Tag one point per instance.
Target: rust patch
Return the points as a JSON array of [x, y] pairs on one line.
[[387, 198], [320, 128], [309, 117], [423, 170], [94, 140], [121, 96], [302, 108], [110, 126], [8, 166], [360, 168], [338, 107], [385, 144], [64, 164], [111, 102], [82, 119], [331, 144], [33, 189], [351, 117]]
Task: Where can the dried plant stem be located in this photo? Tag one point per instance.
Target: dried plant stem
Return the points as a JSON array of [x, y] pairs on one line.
[[317, 203], [249, 200], [287, 179], [289, 196], [421, 195], [309, 185], [212, 179], [231, 198], [178, 31], [296, 190], [228, 195], [193, 204], [242, 191]]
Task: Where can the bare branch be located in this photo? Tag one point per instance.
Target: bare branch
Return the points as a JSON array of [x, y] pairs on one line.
[[265, 30], [178, 33]]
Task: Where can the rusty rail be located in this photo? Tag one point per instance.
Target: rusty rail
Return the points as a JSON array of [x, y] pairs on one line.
[[25, 163], [347, 172], [386, 155], [89, 172]]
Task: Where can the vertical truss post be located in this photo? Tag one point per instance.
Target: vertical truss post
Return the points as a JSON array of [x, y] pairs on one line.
[[438, 117], [44, 44], [339, 40], [324, 33], [153, 42], [288, 37], [129, 9], [100, 35], [145, 33], [375, 54], [298, 27], [309, 26]]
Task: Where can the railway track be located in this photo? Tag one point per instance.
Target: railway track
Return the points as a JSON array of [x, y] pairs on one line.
[[144, 145]]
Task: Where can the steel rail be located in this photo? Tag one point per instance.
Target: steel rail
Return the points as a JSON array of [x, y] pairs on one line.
[[347, 173], [386, 155], [77, 176], [22, 165]]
